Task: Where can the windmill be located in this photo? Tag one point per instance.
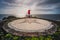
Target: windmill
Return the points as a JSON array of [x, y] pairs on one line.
[[28, 14]]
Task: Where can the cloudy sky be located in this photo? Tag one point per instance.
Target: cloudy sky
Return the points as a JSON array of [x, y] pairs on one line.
[[20, 7]]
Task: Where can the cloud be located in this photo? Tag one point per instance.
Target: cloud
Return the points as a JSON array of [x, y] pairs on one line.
[[10, 1], [52, 1], [20, 7]]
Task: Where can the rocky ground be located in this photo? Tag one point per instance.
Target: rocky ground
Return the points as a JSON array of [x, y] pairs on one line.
[[7, 36]]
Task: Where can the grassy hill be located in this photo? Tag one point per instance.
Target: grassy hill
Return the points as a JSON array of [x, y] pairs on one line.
[[7, 36]]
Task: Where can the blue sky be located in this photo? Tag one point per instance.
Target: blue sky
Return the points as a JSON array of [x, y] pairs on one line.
[[20, 7]]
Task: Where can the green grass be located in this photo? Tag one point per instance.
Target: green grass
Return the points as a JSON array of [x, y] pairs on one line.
[[8, 36]]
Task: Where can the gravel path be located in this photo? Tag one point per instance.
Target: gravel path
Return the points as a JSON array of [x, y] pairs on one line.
[[30, 25]]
